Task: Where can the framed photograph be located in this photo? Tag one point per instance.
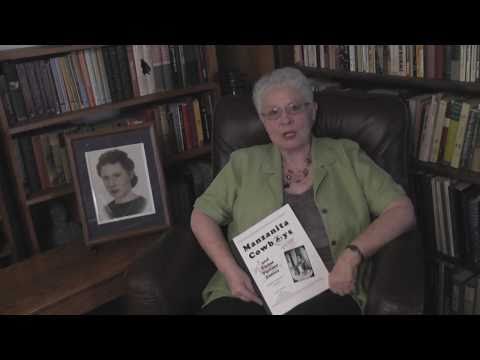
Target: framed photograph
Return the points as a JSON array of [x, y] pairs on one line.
[[119, 183]]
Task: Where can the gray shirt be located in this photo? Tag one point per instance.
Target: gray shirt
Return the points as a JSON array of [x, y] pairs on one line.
[[304, 207]]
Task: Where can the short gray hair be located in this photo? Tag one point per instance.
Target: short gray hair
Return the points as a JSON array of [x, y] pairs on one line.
[[287, 76]]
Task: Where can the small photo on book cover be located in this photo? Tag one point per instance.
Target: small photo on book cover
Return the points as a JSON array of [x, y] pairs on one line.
[[299, 264]]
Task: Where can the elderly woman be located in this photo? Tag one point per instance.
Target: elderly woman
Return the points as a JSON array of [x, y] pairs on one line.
[[332, 186], [117, 172]]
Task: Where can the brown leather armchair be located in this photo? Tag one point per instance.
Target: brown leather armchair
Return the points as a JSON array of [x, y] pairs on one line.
[[169, 277]]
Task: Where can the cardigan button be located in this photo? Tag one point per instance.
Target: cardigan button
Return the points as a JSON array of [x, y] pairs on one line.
[[334, 242], [324, 211]]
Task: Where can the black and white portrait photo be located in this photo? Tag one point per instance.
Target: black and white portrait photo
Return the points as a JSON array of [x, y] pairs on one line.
[[120, 183], [299, 264]]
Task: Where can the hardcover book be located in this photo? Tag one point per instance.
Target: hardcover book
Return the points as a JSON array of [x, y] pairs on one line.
[[282, 261]]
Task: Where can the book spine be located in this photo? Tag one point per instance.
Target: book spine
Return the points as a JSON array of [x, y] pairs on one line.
[[107, 57], [77, 78], [157, 67], [58, 85], [123, 64], [26, 149], [467, 147], [38, 104], [68, 85], [138, 56], [462, 126], [44, 90], [133, 72], [6, 102], [27, 95], [102, 75], [85, 77], [93, 75], [14, 90], [117, 79], [54, 101], [453, 113]]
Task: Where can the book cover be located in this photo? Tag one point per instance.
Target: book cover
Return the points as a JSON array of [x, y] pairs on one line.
[[282, 261], [139, 68], [147, 69]]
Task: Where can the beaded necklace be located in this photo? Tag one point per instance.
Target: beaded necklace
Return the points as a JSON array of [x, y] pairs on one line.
[[296, 176]]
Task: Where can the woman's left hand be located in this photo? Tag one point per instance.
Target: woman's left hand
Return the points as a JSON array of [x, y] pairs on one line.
[[343, 275]]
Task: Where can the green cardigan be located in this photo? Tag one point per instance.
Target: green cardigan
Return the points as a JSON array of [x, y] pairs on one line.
[[350, 187]]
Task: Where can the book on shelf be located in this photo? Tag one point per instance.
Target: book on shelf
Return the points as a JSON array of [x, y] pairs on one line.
[[6, 102], [459, 279], [14, 90], [462, 127], [282, 261]]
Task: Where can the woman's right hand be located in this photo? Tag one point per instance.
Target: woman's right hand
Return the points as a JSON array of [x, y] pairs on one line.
[[241, 285]]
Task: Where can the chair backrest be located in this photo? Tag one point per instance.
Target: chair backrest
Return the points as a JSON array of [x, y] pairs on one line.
[[378, 122]]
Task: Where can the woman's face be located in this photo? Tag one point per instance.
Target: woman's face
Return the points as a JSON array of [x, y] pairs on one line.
[[117, 180], [292, 130]]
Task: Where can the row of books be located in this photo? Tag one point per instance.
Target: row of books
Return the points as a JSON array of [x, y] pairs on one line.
[[184, 124], [456, 289], [448, 213], [40, 88], [449, 62], [446, 130], [43, 158]]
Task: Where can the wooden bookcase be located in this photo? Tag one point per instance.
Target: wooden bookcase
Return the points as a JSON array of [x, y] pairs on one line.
[[45, 124], [8, 248], [405, 87]]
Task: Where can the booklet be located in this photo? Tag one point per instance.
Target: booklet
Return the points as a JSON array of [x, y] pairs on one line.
[[285, 266]]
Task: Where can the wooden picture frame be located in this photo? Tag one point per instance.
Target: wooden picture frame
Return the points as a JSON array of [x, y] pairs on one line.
[[119, 183]]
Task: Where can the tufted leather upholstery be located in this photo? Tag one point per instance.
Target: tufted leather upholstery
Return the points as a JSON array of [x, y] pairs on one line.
[[378, 122]]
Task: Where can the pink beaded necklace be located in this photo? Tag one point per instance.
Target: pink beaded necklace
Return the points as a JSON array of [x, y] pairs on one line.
[[296, 176]]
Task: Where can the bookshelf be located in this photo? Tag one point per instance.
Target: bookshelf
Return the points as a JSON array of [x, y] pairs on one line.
[[427, 69], [8, 250], [82, 88]]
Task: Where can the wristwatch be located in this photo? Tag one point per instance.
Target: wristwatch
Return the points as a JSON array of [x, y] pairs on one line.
[[355, 248]]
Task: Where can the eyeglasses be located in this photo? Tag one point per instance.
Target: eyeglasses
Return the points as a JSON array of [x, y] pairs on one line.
[[291, 109]]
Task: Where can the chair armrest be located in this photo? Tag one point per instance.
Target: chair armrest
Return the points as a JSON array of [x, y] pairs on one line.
[[397, 282], [169, 276]]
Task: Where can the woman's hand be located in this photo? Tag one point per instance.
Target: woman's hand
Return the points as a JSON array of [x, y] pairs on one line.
[[241, 286], [343, 275]]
